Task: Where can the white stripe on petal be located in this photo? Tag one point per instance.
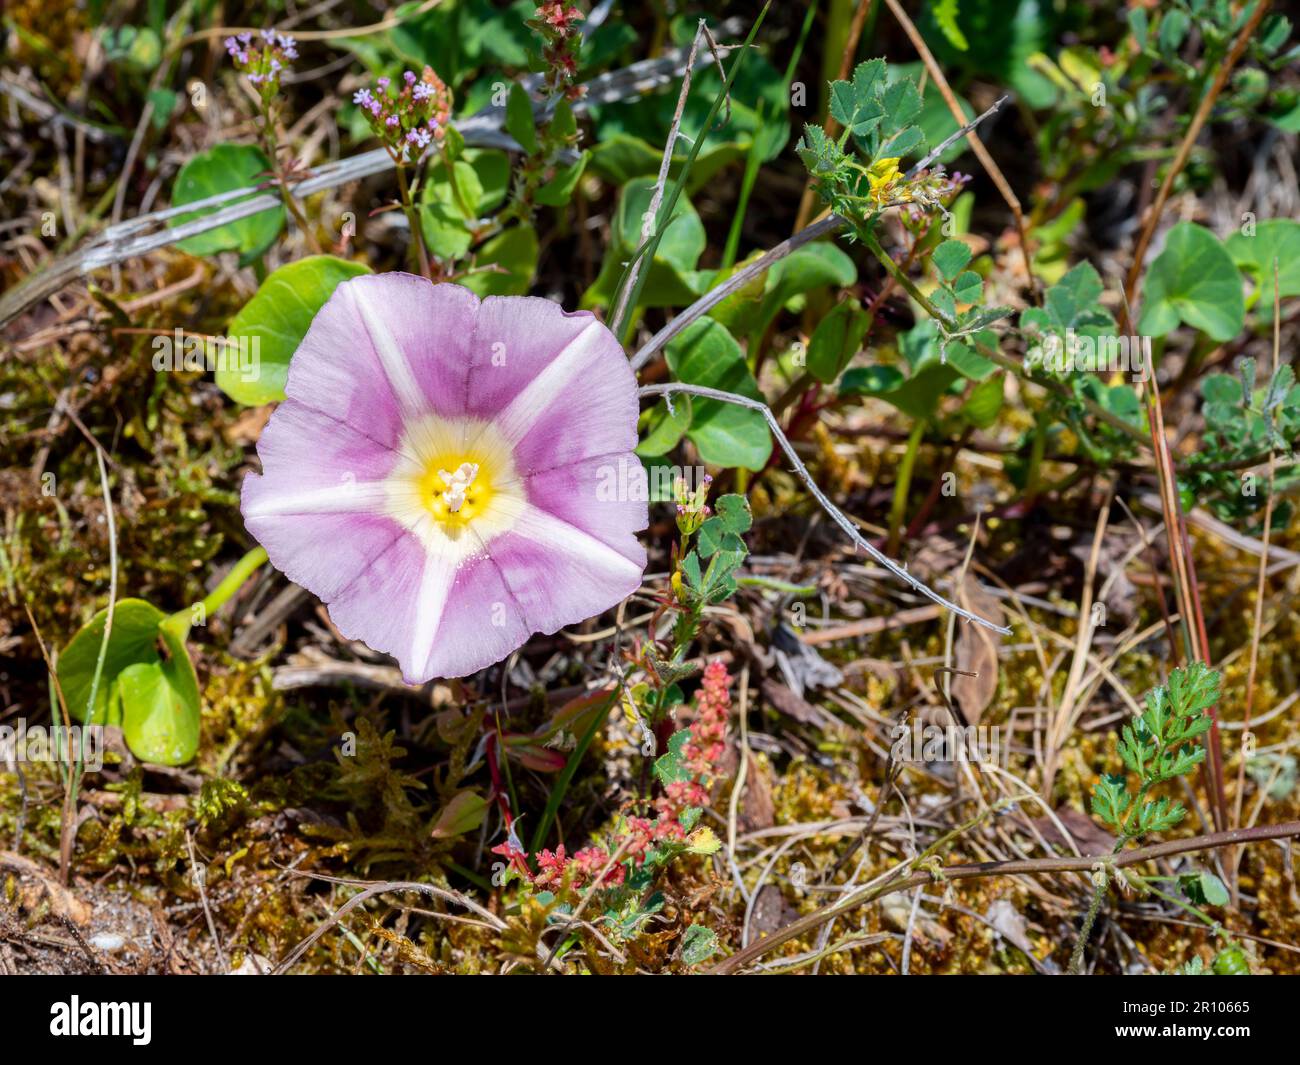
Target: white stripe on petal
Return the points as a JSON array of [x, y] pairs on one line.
[[347, 497], [556, 534], [397, 367], [435, 586], [523, 412]]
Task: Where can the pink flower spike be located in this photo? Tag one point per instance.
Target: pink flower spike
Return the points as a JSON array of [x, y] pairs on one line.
[[445, 472]]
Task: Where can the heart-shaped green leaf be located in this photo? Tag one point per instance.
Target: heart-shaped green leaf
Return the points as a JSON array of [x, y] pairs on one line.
[[1276, 239], [224, 168], [726, 435], [836, 340], [147, 686], [160, 711], [271, 325], [1193, 280]]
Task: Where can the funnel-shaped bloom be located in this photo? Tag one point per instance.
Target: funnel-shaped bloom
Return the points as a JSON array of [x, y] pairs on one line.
[[451, 475]]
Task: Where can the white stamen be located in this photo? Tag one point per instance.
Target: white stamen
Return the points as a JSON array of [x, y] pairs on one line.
[[457, 484]]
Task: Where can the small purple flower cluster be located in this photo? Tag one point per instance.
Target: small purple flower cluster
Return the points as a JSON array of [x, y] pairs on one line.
[[264, 63], [413, 118]]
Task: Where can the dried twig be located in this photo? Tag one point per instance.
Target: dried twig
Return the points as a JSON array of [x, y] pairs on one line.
[[668, 390], [981, 153], [650, 220], [1131, 285], [743, 276], [370, 890], [138, 236], [1257, 624], [200, 877], [1013, 867]]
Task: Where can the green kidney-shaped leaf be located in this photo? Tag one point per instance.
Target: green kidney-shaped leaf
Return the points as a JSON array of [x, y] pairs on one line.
[[133, 639], [160, 710], [836, 340], [1193, 280], [511, 257], [224, 168], [726, 435], [1276, 239], [270, 326], [147, 686]]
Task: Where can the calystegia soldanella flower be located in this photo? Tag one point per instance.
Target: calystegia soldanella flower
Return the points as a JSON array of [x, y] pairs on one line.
[[433, 473]]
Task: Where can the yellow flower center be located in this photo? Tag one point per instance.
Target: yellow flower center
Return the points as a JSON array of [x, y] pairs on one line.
[[461, 474], [455, 492]]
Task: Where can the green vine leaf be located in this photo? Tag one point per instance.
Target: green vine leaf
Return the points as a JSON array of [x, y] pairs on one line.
[[1193, 281], [272, 324], [225, 168]]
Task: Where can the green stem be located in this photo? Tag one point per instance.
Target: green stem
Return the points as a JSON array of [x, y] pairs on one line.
[[565, 778], [1214, 926], [1090, 918], [181, 621], [1081, 944], [290, 201], [413, 218], [1037, 448], [903, 485], [623, 329], [1005, 361], [752, 162]]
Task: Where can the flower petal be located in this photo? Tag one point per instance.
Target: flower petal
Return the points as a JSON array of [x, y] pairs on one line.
[[559, 574], [395, 374], [557, 385], [605, 497], [394, 602], [317, 507], [383, 349], [481, 623]]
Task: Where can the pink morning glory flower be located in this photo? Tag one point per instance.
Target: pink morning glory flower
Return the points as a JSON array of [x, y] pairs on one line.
[[440, 471]]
